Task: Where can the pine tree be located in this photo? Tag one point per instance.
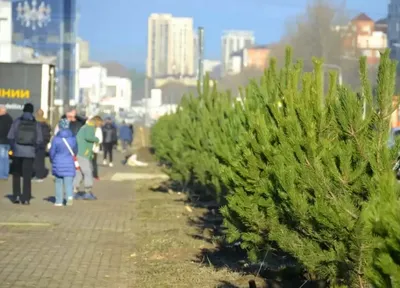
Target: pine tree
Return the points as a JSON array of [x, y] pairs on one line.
[[322, 164], [297, 170], [383, 211]]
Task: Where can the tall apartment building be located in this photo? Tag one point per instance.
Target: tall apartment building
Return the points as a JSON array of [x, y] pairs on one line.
[[170, 46], [83, 51], [5, 31], [195, 53], [393, 30], [234, 41]]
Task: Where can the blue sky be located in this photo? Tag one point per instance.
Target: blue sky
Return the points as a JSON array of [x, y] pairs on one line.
[[117, 30]]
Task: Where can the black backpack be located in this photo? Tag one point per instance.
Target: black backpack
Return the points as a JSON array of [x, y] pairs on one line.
[[26, 133]]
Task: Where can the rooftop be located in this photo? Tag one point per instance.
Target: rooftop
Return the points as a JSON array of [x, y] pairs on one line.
[[382, 21], [362, 17], [115, 69]]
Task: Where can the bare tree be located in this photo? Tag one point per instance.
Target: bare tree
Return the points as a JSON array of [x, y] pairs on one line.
[[321, 32]]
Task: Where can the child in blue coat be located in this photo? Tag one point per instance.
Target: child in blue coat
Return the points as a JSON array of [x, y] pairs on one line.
[[63, 166]]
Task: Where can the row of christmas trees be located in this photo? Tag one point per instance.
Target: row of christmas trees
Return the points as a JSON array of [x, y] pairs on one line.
[[296, 169]]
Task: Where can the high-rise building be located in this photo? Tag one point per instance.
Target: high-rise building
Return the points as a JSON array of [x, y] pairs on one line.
[[83, 51], [169, 46], [49, 28], [5, 31], [393, 29], [195, 53], [234, 41]]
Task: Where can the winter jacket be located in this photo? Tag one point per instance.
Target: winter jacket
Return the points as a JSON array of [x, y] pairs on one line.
[[85, 138], [46, 131], [125, 133], [98, 134], [5, 125], [25, 151], [110, 133], [61, 159]]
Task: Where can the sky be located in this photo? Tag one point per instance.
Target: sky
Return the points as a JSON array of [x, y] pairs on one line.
[[117, 30]]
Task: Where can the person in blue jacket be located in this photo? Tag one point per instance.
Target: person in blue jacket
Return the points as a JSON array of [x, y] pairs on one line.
[[62, 160], [125, 135]]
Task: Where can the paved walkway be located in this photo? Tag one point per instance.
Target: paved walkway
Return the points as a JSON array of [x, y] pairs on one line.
[[86, 245]]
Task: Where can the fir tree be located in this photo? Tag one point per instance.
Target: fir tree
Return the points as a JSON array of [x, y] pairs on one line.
[[297, 170]]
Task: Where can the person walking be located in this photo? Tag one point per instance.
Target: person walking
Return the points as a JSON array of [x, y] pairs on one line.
[[110, 138], [5, 125], [85, 139], [96, 150], [132, 132], [25, 137], [39, 165], [62, 160], [125, 136]]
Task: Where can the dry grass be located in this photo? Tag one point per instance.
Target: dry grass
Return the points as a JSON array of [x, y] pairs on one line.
[[166, 253]]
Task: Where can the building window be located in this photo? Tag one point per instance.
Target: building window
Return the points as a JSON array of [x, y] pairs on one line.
[[397, 26]]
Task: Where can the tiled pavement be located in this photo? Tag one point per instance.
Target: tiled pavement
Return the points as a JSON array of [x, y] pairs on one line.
[[86, 245]]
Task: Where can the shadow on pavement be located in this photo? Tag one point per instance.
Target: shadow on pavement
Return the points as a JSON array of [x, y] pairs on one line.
[[226, 284], [282, 270], [166, 187], [10, 197], [50, 199]]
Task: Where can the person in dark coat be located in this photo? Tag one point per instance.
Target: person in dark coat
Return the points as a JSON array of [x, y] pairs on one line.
[[5, 125], [110, 138], [125, 135], [75, 122], [132, 131], [25, 137], [63, 167], [39, 166]]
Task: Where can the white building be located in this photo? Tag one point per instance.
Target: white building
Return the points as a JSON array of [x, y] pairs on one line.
[[153, 108], [118, 95], [210, 65], [5, 31], [84, 51], [170, 46], [234, 41], [182, 46], [196, 53], [92, 84], [236, 63]]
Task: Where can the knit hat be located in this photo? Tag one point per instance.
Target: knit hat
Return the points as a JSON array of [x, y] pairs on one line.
[[28, 107], [63, 123]]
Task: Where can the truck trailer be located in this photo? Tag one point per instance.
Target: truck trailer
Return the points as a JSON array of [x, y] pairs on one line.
[[22, 83]]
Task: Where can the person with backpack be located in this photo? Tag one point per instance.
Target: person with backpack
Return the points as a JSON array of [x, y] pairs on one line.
[[110, 138], [25, 137], [62, 151], [86, 138], [39, 166]]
